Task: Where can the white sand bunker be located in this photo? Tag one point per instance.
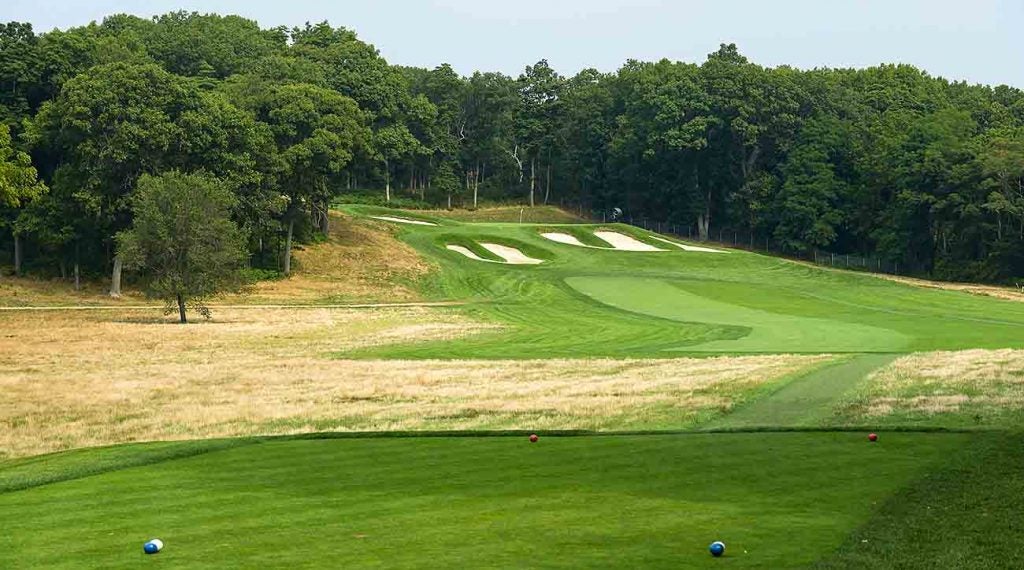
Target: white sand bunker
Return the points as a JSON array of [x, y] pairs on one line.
[[626, 243], [616, 240], [685, 247], [511, 255], [403, 220], [567, 239], [469, 253]]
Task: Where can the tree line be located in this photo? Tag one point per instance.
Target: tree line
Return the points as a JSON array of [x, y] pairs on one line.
[[885, 161]]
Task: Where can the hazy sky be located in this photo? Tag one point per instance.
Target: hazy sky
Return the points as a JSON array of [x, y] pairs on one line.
[[975, 40]]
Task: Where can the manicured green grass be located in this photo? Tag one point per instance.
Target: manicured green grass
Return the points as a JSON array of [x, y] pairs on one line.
[[964, 516], [585, 302], [17, 474], [806, 401], [778, 500]]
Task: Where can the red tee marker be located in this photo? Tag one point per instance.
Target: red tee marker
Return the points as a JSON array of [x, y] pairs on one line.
[[872, 437], [533, 438]]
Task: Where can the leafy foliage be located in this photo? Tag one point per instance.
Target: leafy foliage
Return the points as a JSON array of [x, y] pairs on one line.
[[183, 240], [885, 161]]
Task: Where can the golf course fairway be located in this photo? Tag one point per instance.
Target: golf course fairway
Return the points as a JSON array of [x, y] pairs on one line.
[[658, 304]]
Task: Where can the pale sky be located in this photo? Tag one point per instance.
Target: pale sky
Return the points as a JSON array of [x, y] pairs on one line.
[[979, 41]]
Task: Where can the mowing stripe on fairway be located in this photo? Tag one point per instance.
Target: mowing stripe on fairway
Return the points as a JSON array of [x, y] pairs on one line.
[[622, 502], [966, 515], [809, 399]]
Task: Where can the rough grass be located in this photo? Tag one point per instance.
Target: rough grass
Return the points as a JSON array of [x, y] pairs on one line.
[[1006, 293], [73, 379], [962, 388], [30, 291], [360, 262]]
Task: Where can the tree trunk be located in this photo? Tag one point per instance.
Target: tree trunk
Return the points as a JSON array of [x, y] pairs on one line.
[[325, 221], [449, 201], [78, 282], [181, 310], [547, 184], [387, 181], [703, 221], [63, 264], [288, 247], [533, 178], [17, 254], [476, 187], [115, 278]]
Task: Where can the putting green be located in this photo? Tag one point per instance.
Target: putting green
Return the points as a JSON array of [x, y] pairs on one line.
[[777, 500], [769, 331]]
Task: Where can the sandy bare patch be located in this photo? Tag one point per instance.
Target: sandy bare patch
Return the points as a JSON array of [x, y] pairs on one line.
[[685, 247], [403, 220], [83, 379], [468, 253], [510, 254], [624, 242]]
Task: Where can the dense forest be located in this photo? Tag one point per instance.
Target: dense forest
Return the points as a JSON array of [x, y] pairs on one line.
[[884, 161]]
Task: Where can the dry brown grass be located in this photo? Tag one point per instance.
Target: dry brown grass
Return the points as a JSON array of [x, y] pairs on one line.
[[362, 261], [1007, 293], [28, 291], [945, 382], [73, 379]]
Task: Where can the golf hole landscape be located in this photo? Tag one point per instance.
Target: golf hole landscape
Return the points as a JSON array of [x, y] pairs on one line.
[[673, 408], [268, 300]]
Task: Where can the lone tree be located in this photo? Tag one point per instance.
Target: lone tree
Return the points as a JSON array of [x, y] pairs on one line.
[[184, 241]]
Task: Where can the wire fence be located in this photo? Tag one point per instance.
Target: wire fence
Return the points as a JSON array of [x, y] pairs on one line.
[[751, 241]]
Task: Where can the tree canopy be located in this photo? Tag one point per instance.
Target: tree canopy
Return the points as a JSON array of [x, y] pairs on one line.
[[885, 161]]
